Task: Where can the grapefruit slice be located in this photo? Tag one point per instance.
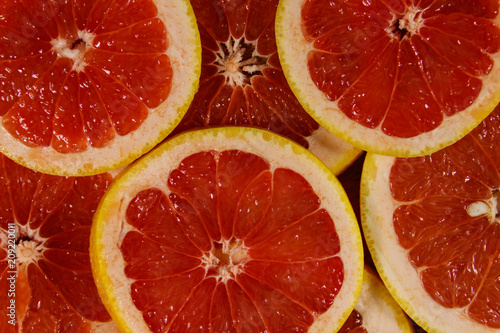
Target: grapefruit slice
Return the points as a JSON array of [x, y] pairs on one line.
[[242, 82], [227, 229], [376, 310], [88, 86], [432, 226], [45, 275], [399, 78]]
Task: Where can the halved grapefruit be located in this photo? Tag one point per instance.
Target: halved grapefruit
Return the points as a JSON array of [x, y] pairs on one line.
[[432, 226], [242, 82], [399, 78], [89, 85], [45, 276], [224, 230]]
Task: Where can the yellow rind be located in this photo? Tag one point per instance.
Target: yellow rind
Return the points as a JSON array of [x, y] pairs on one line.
[[122, 185], [99, 266], [288, 35], [47, 160]]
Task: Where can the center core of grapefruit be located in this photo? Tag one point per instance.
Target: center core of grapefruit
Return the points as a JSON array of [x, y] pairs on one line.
[[28, 251], [226, 259], [406, 25], [238, 60], [29, 246], [74, 49]]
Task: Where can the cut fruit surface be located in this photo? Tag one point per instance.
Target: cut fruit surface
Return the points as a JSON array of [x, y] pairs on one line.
[[431, 224], [88, 86], [376, 311], [45, 275], [399, 78], [242, 82], [227, 229]]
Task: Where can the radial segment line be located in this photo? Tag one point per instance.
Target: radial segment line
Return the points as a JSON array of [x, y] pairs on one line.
[[284, 293], [277, 232]]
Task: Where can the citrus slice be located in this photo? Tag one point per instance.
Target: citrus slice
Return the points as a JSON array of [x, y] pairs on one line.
[[376, 310], [88, 86], [242, 82], [224, 230], [45, 275], [432, 226], [399, 78]]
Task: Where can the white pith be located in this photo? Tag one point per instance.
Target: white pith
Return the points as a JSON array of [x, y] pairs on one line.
[[237, 254], [184, 52], [391, 259], [107, 327], [108, 265], [232, 65], [293, 49], [28, 251], [380, 312], [411, 21], [334, 152], [64, 48]]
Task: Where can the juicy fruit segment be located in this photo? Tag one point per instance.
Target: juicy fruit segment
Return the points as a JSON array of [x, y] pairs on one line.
[[44, 237], [445, 220], [242, 82], [395, 71], [232, 237], [83, 77]]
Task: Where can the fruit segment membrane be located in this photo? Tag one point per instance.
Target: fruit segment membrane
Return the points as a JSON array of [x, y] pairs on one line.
[[75, 74], [401, 66], [46, 221], [448, 221], [229, 243]]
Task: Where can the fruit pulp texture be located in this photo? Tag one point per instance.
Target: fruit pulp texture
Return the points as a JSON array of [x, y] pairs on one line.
[[75, 74], [234, 244], [401, 66], [353, 324], [448, 221], [242, 82], [45, 221]]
